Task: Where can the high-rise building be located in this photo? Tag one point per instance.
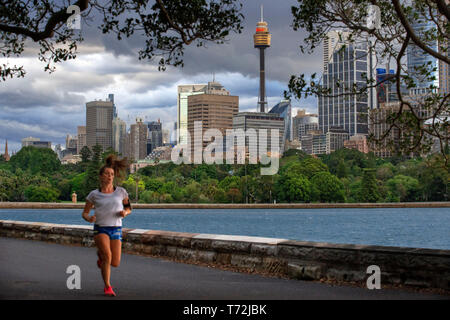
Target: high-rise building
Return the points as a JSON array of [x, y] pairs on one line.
[[81, 135], [261, 40], [444, 70], [36, 142], [314, 142], [184, 91], [155, 135], [336, 136], [349, 64], [284, 109], [111, 98], [119, 129], [214, 111], [304, 122], [138, 140], [99, 116], [332, 42], [378, 127], [260, 121], [71, 142], [417, 58]]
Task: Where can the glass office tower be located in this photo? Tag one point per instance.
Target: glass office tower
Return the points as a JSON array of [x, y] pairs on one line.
[[348, 64]]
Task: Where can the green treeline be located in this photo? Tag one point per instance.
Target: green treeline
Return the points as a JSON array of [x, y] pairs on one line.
[[35, 174]]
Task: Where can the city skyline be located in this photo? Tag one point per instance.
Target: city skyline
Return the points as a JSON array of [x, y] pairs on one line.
[[104, 66]]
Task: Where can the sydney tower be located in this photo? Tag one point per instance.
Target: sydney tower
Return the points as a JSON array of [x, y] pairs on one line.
[[262, 41]]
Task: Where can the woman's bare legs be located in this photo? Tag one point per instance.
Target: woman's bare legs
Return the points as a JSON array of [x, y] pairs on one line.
[[109, 252], [104, 250]]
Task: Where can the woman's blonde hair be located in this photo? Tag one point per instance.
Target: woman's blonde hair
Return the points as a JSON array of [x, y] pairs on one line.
[[119, 166]]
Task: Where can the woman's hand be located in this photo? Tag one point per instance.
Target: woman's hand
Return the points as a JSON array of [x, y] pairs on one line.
[[90, 219], [123, 213]]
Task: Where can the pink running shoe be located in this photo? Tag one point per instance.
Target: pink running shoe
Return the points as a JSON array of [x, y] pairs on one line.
[[109, 291]]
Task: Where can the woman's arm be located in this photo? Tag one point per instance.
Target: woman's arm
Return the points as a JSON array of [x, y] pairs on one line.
[[87, 208], [126, 208]]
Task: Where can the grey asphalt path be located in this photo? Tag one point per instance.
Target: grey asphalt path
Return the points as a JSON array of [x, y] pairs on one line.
[[37, 270]]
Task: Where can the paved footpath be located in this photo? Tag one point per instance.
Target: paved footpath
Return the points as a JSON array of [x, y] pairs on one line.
[[37, 270]]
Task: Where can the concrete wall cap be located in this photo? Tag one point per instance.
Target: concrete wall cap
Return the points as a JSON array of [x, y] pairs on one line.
[[223, 237], [137, 231]]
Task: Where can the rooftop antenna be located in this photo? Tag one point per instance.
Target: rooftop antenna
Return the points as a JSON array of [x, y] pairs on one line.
[[262, 13]]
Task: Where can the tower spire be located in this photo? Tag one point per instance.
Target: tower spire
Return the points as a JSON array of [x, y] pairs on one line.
[[6, 155], [261, 41]]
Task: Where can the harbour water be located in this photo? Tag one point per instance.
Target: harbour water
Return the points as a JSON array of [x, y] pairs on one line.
[[400, 227]]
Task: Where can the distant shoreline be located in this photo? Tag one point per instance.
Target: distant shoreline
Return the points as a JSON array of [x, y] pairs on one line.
[[80, 205]]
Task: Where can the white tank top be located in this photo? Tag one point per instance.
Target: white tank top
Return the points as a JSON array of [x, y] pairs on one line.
[[108, 206]]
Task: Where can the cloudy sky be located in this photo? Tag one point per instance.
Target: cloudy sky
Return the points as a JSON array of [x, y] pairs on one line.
[[50, 106]]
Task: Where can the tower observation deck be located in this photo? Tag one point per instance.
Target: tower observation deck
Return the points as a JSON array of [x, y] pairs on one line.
[[261, 40]]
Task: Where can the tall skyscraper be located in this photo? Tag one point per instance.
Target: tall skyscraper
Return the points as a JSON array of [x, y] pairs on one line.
[[348, 64], [81, 141], [119, 128], [261, 40], [417, 58], [184, 91], [214, 109], [138, 140], [155, 135], [99, 116], [284, 110], [111, 98]]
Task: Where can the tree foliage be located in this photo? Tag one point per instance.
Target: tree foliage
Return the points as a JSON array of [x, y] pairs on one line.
[[165, 27]]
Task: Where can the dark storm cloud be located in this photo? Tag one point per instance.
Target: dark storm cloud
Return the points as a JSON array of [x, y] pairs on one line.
[[283, 58]]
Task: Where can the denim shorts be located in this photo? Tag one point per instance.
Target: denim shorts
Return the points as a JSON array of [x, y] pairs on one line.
[[114, 233]]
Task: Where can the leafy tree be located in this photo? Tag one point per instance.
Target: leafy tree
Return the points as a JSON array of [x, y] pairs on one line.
[[78, 185], [369, 187], [41, 194], [92, 181], [309, 167], [130, 186], [385, 171], [35, 160], [342, 170], [404, 188], [153, 184], [329, 187], [167, 26], [234, 195], [230, 182], [434, 179], [297, 189], [86, 154], [192, 192]]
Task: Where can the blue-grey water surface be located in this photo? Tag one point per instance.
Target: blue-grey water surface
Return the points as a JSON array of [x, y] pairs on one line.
[[403, 227]]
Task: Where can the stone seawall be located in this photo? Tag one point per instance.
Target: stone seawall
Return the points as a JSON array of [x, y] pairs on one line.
[[426, 268], [80, 205]]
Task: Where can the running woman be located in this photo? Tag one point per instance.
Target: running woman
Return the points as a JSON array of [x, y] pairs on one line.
[[111, 206]]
